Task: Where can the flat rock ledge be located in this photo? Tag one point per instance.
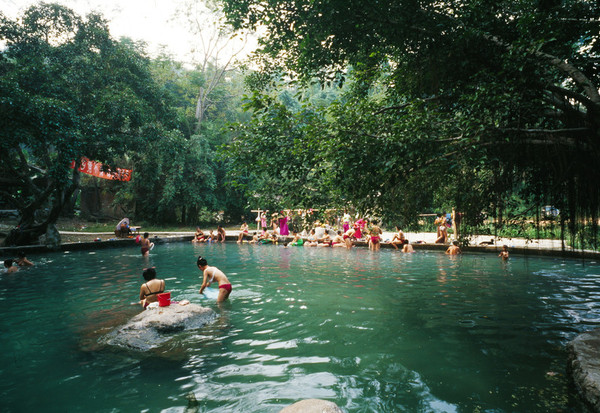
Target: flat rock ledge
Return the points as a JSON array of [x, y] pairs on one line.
[[312, 406], [155, 326], [584, 366]]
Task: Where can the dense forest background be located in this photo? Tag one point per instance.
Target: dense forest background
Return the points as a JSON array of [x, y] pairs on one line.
[[389, 109]]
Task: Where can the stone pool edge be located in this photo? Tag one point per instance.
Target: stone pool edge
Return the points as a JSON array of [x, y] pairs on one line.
[[129, 242]]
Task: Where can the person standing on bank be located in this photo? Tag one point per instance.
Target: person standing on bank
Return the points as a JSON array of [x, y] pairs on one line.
[[211, 274]]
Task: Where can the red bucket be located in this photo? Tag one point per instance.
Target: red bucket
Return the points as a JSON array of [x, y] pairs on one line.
[[164, 299]]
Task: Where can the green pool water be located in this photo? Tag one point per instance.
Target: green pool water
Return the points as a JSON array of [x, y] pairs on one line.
[[371, 331]]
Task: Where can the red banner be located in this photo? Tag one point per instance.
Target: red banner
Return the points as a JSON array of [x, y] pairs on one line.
[[95, 169]]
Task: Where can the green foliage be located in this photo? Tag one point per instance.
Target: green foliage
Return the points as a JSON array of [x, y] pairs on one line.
[[182, 174], [460, 104], [278, 158], [67, 90]]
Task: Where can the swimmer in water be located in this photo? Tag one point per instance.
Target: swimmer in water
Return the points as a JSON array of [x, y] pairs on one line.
[[10, 268], [407, 247], [453, 249], [22, 260]]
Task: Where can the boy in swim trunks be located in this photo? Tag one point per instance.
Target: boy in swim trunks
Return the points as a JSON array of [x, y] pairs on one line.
[[211, 274]]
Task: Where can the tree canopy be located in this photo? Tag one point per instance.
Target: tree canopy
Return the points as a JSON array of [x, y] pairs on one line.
[[389, 107], [465, 102], [67, 90]]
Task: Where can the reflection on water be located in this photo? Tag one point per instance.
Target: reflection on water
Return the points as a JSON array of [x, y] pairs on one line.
[[370, 331]]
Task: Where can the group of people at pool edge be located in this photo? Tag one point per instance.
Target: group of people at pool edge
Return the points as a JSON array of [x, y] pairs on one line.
[[322, 234], [285, 223], [200, 236]]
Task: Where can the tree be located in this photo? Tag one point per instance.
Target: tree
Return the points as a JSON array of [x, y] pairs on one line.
[[184, 182], [67, 90], [496, 95], [214, 54]]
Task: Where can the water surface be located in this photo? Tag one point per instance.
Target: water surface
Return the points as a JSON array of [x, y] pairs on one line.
[[371, 331]]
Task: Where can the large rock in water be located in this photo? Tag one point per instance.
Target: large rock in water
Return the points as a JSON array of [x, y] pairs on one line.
[[584, 366], [155, 326], [312, 406]]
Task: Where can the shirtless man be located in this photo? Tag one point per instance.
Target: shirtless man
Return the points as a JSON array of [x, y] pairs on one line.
[[504, 253], [453, 249], [211, 274]]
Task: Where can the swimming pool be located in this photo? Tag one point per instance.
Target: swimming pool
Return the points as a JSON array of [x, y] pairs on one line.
[[371, 331]]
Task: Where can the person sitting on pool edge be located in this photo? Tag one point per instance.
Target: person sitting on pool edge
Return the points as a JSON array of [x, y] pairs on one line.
[[298, 241], [243, 232], [151, 288], [199, 236], [220, 233], [210, 274], [123, 230]]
